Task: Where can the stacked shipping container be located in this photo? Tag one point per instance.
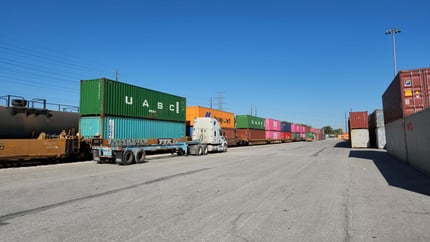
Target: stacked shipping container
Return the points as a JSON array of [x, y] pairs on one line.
[[286, 131], [377, 129], [359, 129], [250, 129], [273, 130], [115, 110]]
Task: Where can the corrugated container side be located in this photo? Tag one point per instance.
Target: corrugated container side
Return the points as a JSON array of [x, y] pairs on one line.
[[104, 97], [251, 134], [225, 119], [285, 126], [376, 119], [130, 128], [310, 135], [396, 140], [272, 124], [286, 135], [229, 133], [377, 137], [294, 128], [408, 93], [359, 138], [358, 120], [249, 122], [418, 141], [296, 136], [273, 135]]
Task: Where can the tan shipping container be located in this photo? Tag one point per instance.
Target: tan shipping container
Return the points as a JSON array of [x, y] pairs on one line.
[[225, 119]]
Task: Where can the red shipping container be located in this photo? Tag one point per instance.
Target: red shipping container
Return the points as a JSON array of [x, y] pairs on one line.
[[228, 133], [286, 136], [408, 93], [358, 120], [251, 134]]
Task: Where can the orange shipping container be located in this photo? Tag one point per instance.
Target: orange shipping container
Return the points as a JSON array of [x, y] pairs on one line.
[[225, 119]]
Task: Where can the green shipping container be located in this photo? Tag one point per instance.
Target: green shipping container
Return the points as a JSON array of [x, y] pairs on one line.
[[309, 135], [250, 122], [104, 97]]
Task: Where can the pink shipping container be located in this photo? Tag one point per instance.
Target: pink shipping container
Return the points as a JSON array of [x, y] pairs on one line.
[[273, 135], [313, 130], [303, 135], [273, 125], [294, 128]]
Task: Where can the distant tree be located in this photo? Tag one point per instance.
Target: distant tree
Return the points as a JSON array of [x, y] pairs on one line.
[[328, 130]]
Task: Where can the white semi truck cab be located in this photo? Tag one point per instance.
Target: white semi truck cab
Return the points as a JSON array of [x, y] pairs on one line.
[[208, 131]]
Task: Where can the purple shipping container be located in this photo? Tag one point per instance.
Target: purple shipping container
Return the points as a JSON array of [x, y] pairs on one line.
[[273, 135], [273, 125]]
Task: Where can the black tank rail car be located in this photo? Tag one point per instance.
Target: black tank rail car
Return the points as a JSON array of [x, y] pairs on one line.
[[37, 131]]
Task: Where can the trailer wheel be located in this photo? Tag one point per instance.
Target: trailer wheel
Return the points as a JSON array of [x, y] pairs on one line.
[[205, 150], [199, 150], [140, 156], [127, 158]]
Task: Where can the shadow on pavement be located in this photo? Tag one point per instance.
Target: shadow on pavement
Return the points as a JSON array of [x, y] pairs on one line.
[[396, 172], [342, 144]]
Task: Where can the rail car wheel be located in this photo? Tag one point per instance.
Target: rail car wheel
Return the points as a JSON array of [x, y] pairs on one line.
[[140, 156], [127, 158]]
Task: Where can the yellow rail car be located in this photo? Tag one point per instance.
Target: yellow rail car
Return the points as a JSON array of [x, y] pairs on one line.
[[43, 147]]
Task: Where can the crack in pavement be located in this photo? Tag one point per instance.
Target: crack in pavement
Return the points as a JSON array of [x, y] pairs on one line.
[[63, 203]]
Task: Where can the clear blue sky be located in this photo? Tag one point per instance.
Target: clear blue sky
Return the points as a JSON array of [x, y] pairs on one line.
[[302, 61]]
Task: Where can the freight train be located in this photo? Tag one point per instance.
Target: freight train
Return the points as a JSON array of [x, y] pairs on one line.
[[34, 129], [118, 115]]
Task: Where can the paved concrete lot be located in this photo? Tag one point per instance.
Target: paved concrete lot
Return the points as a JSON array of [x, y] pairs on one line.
[[318, 191]]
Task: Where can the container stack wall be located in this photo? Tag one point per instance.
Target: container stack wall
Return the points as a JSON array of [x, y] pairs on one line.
[[396, 140], [417, 137]]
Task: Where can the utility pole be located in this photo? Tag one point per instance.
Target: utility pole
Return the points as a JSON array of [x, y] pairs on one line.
[[220, 102], [393, 32], [116, 75]]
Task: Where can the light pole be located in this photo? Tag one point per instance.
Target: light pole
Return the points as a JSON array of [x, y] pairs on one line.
[[393, 32]]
